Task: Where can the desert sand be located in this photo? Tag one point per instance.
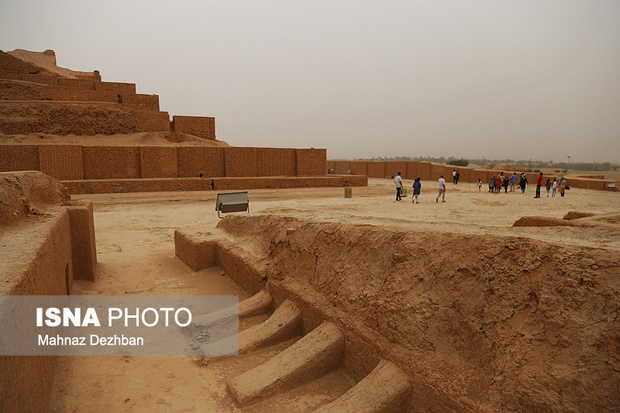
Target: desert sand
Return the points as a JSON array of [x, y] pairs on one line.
[[136, 255]]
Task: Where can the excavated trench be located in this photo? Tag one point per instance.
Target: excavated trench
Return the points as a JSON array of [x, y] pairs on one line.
[[377, 319]]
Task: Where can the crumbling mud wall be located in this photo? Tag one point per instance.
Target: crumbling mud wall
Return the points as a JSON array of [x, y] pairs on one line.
[[479, 323], [45, 242]]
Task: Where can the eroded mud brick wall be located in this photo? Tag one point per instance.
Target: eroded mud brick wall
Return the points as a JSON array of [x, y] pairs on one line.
[[200, 126], [14, 68], [25, 381], [102, 162]]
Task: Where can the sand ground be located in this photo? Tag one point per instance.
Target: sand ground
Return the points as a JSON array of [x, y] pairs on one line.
[[135, 246]]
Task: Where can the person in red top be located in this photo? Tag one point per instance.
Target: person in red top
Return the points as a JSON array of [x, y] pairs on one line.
[[498, 183], [538, 185]]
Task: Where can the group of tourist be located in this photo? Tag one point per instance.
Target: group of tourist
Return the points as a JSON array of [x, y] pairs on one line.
[[496, 183]]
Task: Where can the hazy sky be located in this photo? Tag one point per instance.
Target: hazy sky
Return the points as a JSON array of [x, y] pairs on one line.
[[516, 79]]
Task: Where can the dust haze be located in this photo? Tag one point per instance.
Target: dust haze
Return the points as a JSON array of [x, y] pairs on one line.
[[519, 80]]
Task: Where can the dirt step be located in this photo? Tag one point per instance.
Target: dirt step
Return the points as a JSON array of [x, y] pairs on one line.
[[286, 322], [385, 389], [319, 352]]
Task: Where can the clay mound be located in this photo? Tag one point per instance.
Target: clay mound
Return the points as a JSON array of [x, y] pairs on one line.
[[47, 61], [551, 222], [576, 215], [28, 192]]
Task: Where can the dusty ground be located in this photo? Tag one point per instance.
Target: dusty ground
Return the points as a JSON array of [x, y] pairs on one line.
[[136, 256]]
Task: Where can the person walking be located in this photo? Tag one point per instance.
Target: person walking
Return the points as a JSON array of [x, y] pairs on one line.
[[554, 187], [563, 185], [492, 184], [498, 183], [454, 176], [548, 186], [398, 181], [417, 185], [523, 183], [442, 190], [479, 185], [538, 185]]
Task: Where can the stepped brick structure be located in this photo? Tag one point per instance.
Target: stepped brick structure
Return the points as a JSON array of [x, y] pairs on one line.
[[38, 97]]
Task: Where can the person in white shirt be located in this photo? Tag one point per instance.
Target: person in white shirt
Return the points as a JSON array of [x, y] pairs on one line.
[[399, 186], [442, 190], [555, 187]]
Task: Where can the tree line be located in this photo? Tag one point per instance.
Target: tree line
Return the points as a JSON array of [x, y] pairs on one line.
[[530, 164]]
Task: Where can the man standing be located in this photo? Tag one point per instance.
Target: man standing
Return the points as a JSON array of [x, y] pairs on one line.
[[538, 185], [513, 181], [399, 186], [442, 190]]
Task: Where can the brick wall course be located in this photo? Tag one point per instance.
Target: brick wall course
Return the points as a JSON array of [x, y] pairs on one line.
[[152, 121], [276, 162], [412, 170], [358, 167], [144, 101], [241, 161], [105, 162], [61, 161], [376, 169], [60, 93], [158, 161], [311, 162], [19, 158], [201, 126], [341, 167], [193, 161], [116, 87], [392, 168], [206, 184], [220, 184]]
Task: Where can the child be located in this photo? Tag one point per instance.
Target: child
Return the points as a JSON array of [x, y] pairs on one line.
[[479, 185], [416, 190], [548, 186], [555, 187]]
